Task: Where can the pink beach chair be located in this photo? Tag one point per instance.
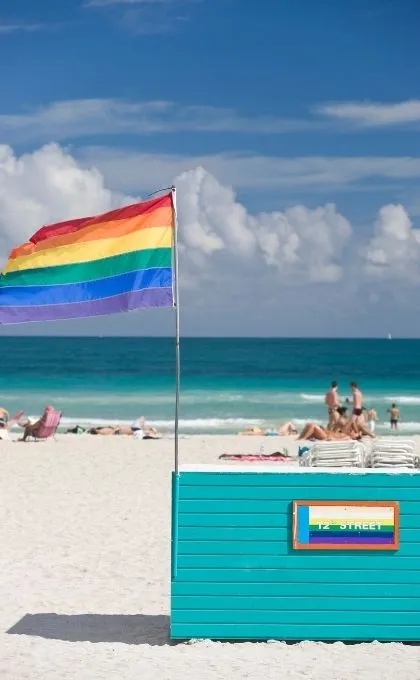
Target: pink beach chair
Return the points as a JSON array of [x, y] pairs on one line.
[[46, 426]]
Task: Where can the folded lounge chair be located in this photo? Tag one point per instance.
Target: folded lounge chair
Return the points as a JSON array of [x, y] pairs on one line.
[[45, 427]]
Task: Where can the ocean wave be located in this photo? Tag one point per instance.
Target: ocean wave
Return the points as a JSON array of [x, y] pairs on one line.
[[406, 427], [312, 397], [300, 422], [188, 423], [404, 399]]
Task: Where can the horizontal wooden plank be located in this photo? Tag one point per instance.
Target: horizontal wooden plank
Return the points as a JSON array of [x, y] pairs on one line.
[[265, 506], [301, 588], [303, 560], [299, 480], [264, 519], [288, 618], [295, 603], [280, 547], [244, 631], [288, 493], [313, 575], [199, 519], [251, 533]]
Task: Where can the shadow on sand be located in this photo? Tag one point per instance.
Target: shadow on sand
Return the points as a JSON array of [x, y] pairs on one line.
[[136, 629]]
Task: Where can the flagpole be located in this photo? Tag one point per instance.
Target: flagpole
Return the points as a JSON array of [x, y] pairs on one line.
[[177, 348]]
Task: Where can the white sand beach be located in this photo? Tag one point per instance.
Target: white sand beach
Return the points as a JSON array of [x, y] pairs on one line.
[[84, 587]]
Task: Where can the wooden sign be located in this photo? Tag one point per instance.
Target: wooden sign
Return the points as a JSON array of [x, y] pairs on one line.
[[345, 525]]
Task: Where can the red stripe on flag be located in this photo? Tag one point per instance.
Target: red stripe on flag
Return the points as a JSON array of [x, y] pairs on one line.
[[70, 226]]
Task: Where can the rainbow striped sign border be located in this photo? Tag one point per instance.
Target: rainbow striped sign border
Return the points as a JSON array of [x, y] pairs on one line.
[[345, 525]]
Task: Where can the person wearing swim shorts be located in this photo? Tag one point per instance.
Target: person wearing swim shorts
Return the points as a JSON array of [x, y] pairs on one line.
[[357, 412], [332, 402], [394, 414]]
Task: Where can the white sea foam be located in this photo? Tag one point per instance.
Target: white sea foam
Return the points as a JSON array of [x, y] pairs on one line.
[[209, 425], [404, 399], [204, 424], [302, 421], [312, 397], [406, 427]]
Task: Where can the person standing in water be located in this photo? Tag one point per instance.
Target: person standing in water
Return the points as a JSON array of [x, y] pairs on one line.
[[357, 403], [372, 417], [332, 402], [394, 416]]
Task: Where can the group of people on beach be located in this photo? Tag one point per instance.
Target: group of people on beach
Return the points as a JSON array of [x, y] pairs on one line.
[[359, 414], [340, 426], [32, 428], [138, 429], [361, 422]]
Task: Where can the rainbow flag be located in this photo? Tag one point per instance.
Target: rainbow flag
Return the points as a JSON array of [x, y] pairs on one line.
[[116, 262]]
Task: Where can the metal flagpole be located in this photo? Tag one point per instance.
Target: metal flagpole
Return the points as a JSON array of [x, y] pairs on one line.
[[177, 348]]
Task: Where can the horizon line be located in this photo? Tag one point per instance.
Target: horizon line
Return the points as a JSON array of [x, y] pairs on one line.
[[216, 337]]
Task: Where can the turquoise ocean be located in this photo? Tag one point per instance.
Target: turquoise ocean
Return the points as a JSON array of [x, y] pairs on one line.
[[227, 384]]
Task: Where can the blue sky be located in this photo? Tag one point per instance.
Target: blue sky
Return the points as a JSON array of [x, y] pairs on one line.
[[266, 112]]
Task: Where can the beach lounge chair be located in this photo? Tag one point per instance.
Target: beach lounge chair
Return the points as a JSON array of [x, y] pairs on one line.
[[45, 427], [335, 454]]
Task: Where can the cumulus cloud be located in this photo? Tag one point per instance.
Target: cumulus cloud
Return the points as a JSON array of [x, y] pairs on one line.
[[306, 242], [49, 185], [46, 186], [299, 243], [394, 250], [232, 261], [211, 218]]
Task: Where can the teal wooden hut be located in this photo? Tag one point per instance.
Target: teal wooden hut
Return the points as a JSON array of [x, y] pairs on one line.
[[295, 553]]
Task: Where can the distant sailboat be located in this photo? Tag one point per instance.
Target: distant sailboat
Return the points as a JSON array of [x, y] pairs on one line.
[[389, 336]]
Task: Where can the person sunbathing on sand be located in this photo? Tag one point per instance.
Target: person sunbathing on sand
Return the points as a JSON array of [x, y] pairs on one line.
[[283, 430], [355, 429], [286, 429], [343, 429], [137, 428], [314, 431], [253, 431]]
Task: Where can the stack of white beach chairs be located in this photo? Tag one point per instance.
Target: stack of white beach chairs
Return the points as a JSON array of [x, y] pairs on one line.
[[382, 453], [392, 452], [334, 454]]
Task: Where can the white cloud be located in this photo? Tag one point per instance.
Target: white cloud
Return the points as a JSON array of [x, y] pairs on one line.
[[301, 244], [394, 250], [373, 114], [6, 29], [130, 170], [90, 117], [108, 3], [292, 271], [76, 118], [46, 186], [307, 242]]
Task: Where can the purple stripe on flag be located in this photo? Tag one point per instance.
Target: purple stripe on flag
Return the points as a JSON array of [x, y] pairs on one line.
[[125, 302], [381, 540]]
